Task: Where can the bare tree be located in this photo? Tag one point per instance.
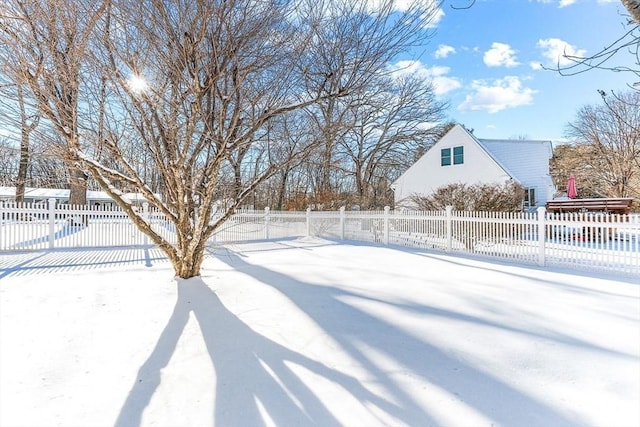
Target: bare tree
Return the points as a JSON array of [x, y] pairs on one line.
[[8, 166], [42, 170], [45, 45], [390, 126], [578, 160], [295, 132], [611, 133], [27, 125], [336, 65], [18, 117], [199, 83]]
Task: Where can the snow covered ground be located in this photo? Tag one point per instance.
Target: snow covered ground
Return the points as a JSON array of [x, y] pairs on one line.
[[311, 332]]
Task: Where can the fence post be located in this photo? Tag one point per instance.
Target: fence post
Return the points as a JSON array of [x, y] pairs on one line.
[[386, 225], [266, 222], [342, 221], [308, 222], [145, 216], [541, 211], [449, 219], [52, 222]]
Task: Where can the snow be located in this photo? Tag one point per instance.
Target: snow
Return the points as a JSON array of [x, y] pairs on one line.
[[312, 332]]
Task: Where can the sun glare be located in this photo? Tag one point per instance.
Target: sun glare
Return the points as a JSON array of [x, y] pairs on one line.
[[137, 83]]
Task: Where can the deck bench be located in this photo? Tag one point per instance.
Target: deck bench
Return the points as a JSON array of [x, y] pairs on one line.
[[620, 205]]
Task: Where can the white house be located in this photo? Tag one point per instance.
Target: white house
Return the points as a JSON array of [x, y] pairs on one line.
[[460, 157]]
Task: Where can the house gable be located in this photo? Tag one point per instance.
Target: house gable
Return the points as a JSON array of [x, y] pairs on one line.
[[485, 161], [429, 174]]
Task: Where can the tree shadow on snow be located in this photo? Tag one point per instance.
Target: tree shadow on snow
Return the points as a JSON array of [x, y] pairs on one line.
[[356, 330], [249, 368]]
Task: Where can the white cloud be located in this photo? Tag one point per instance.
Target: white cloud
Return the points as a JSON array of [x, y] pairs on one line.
[[444, 84], [437, 16], [438, 75], [557, 50], [431, 8], [497, 95], [409, 67], [535, 65], [500, 54], [444, 50]]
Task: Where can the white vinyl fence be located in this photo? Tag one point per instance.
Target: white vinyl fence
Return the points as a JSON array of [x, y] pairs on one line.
[[587, 241]]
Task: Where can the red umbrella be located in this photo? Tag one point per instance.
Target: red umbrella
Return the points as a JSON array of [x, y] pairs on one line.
[[572, 191]]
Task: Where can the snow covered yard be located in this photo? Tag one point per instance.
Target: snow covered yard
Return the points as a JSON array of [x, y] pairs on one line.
[[310, 332]]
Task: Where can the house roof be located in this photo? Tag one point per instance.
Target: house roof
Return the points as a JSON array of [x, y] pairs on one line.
[[60, 193], [517, 156], [45, 193]]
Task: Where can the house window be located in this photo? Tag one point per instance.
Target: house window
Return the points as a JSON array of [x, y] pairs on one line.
[[445, 157], [529, 197], [458, 155]]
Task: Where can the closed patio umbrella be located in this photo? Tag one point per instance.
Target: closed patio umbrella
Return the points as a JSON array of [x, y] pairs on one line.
[[572, 191]]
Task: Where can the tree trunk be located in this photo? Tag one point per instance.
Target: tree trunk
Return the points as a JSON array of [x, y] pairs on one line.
[[190, 263], [21, 180], [283, 188], [237, 180], [25, 129], [77, 186], [188, 253]]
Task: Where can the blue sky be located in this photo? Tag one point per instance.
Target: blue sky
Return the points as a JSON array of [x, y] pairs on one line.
[[486, 62]]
